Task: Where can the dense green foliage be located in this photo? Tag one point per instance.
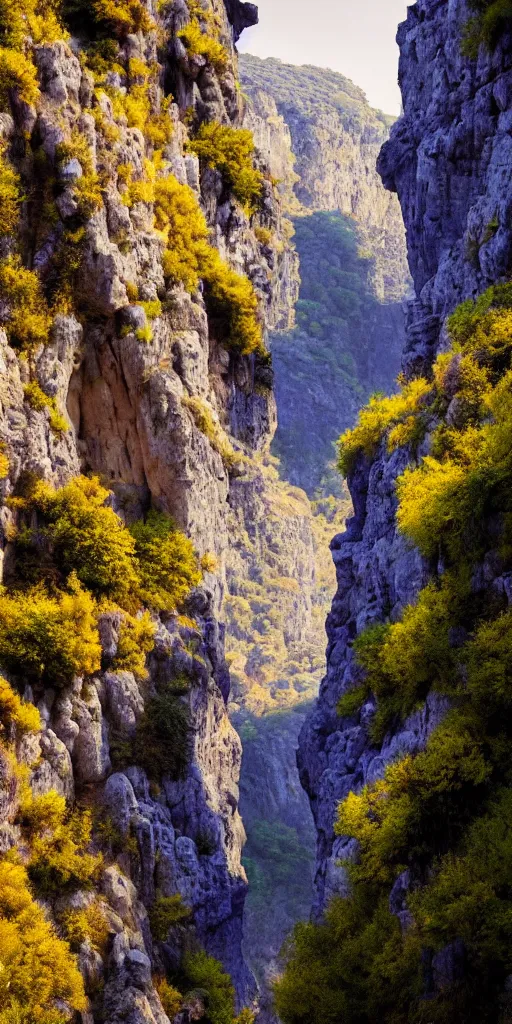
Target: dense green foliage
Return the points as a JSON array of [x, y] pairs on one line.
[[444, 814], [485, 25], [205, 973], [332, 342], [276, 861]]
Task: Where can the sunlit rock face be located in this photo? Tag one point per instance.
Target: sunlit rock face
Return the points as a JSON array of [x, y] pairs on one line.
[[136, 390]]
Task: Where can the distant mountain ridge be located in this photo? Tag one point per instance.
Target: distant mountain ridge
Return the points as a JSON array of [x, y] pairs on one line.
[[321, 139]]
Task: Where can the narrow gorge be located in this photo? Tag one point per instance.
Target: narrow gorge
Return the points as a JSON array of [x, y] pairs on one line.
[[205, 280]]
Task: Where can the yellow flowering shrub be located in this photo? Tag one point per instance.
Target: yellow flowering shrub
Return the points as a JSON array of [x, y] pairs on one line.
[[234, 307], [14, 711], [59, 843], [87, 537], [167, 563], [51, 638], [9, 195], [380, 416], [231, 151], [35, 18], [38, 973], [17, 72], [29, 319], [123, 16], [170, 998], [87, 188], [89, 924], [136, 640], [38, 400], [203, 44]]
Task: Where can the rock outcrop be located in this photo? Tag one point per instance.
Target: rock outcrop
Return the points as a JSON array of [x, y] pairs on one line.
[[152, 396], [447, 158]]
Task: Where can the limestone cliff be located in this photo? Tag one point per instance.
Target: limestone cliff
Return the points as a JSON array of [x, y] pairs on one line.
[[335, 139], [321, 139], [447, 158], [139, 379]]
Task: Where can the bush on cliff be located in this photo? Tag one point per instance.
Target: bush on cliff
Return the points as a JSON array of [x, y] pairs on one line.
[[163, 740], [84, 535], [189, 257], [204, 972], [28, 318], [203, 44], [379, 417], [486, 25], [59, 842], [77, 532], [16, 713], [39, 976], [167, 564], [49, 638], [231, 151]]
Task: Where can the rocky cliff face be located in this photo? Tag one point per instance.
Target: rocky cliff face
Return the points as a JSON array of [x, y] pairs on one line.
[[447, 159], [335, 138], [152, 396], [322, 139]]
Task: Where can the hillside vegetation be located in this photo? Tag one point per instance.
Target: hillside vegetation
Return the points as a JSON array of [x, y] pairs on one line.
[[345, 345]]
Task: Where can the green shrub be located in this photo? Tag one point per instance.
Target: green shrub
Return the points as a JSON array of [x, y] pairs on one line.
[[485, 26], [421, 805], [204, 972], [406, 660], [166, 912], [167, 564], [443, 814], [163, 739], [85, 536], [231, 151], [351, 968]]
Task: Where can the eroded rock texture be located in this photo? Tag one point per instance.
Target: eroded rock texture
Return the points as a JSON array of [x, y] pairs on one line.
[[448, 159], [127, 383]]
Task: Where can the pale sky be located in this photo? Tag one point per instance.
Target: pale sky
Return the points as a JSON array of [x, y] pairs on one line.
[[356, 37]]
